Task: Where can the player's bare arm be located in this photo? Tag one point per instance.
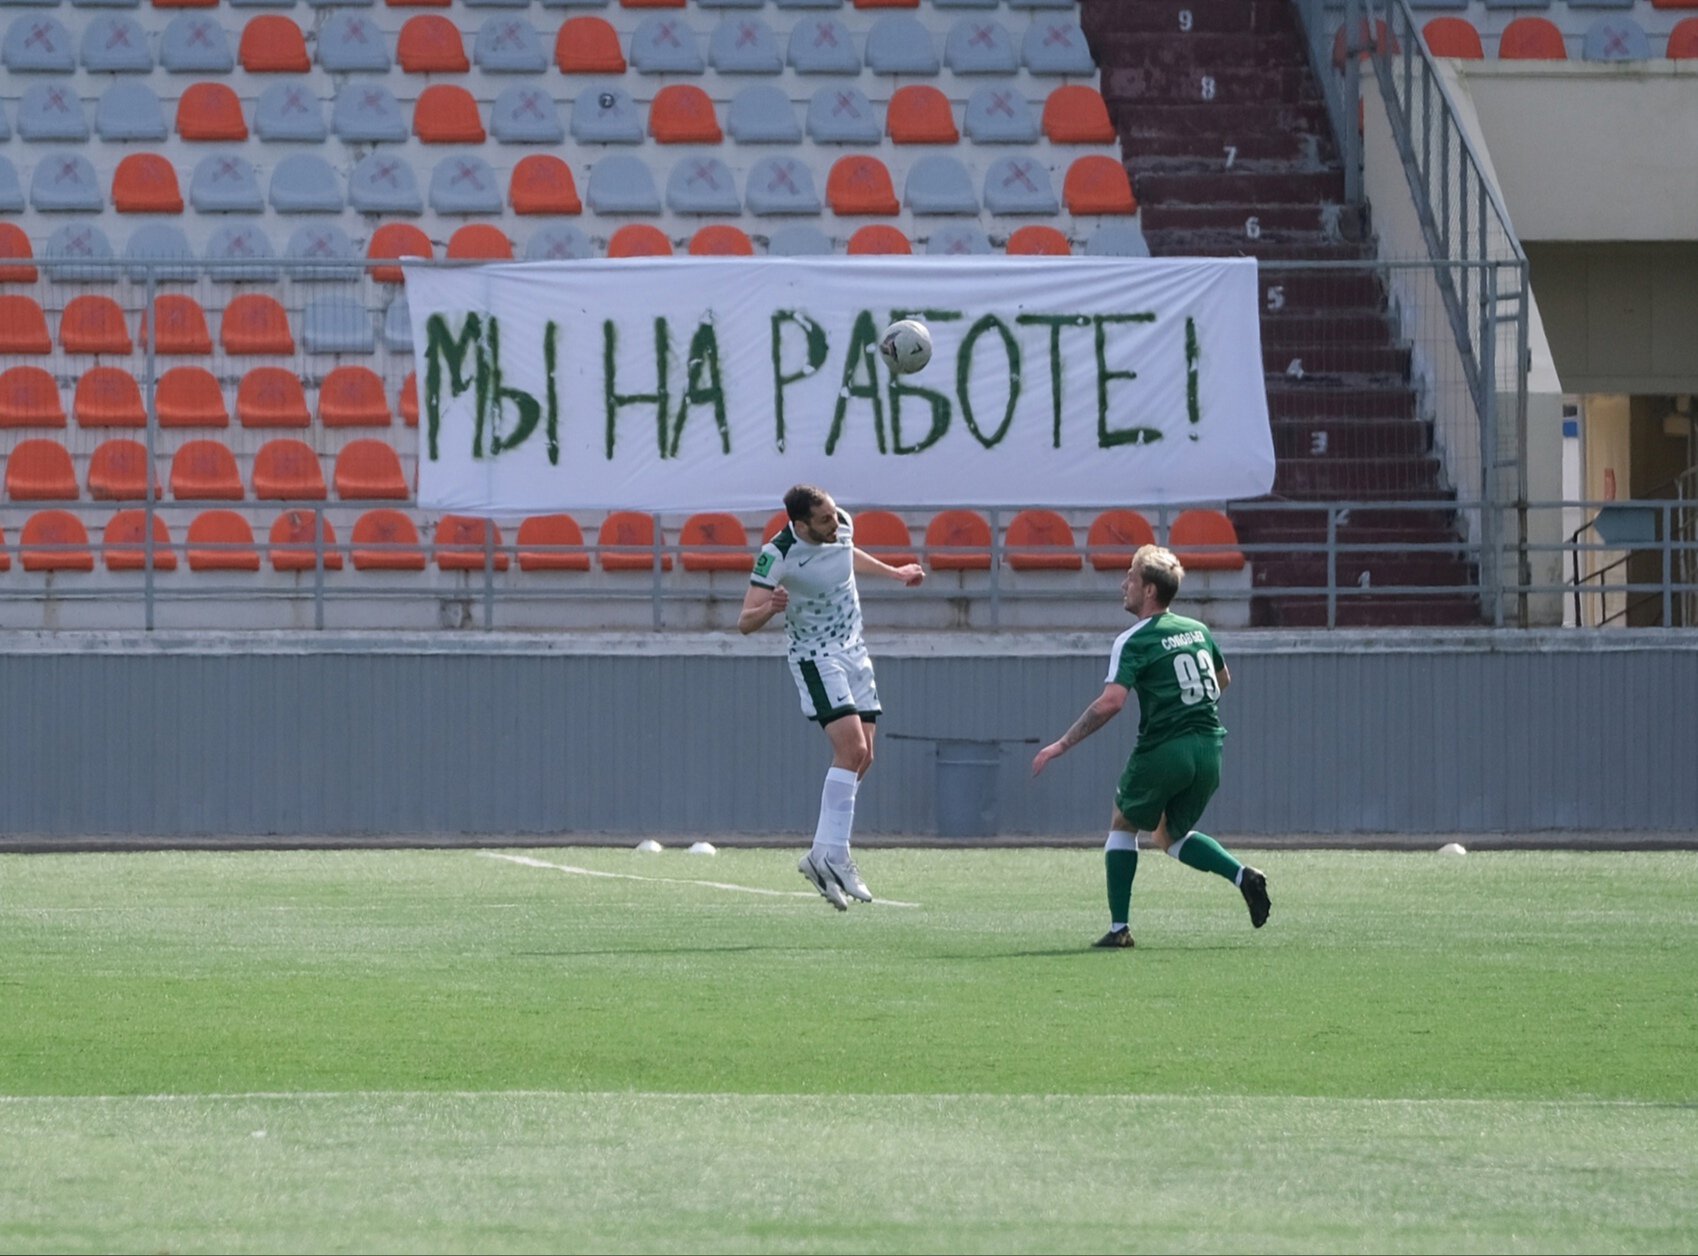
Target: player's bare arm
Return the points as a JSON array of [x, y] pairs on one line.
[[910, 574], [1105, 708], [759, 606]]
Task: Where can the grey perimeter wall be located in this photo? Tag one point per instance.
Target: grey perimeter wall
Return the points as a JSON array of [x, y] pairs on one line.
[[457, 735]]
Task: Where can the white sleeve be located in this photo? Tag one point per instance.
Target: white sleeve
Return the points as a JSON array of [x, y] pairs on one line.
[[769, 567]]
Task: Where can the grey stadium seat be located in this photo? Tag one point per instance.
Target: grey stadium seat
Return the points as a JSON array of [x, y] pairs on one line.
[[899, 43], [606, 115], [781, 185], [352, 41], [384, 183], [965, 4], [328, 250], [289, 111], [367, 113], [822, 45], [194, 43], [165, 250], [1000, 115], [743, 44], [240, 252], [129, 111], [558, 242], [224, 183], [337, 325], [1041, 4], [729, 4], [464, 185], [1019, 185], [810, 4], [702, 185], [51, 111], [1605, 4], [939, 184], [11, 191], [508, 45], [665, 44], [497, 4], [341, 4], [1056, 45], [526, 114], [762, 114], [1607, 39], [958, 239], [799, 239], [115, 43], [304, 183], [38, 44], [398, 326], [65, 183], [1117, 239], [980, 45], [105, 4], [843, 115], [576, 4], [78, 240], [622, 184]]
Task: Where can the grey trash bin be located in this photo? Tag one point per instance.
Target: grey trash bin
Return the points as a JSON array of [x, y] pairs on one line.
[[966, 787]]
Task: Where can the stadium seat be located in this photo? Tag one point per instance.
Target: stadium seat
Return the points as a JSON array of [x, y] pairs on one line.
[[146, 183], [288, 470], [762, 114], [11, 191], [588, 45], [1038, 240], [108, 396], [1098, 185], [1040, 540], [508, 45], [15, 249], [1076, 114], [715, 541], [622, 184], [1205, 540], [860, 185], [958, 540], [1114, 537], [543, 184], [337, 324], [117, 471], [271, 396], [664, 44], [702, 185], [957, 239], [352, 396], [721, 240], [294, 542], [446, 114], [367, 470], [76, 240], [289, 112], [255, 323], [1041, 4], [225, 184], [626, 542], [351, 42], [463, 543], [221, 540], [386, 540], [241, 252], [396, 240], [800, 239], [195, 43], [384, 183], [366, 113], [398, 324], [639, 239], [93, 324], [181, 323], [884, 536], [552, 543], [123, 543], [479, 241], [681, 113], [464, 185], [65, 183], [115, 43], [190, 396], [1453, 37], [920, 114], [407, 401], [23, 327], [1683, 40], [822, 45], [205, 470], [778, 520], [524, 114], [162, 250], [1615, 38], [1020, 185], [40, 470], [129, 111], [939, 184], [304, 183], [900, 43], [1532, 39], [744, 45], [51, 111], [606, 115], [558, 242], [980, 45], [273, 44], [431, 44], [29, 397], [843, 115], [781, 185], [55, 540], [328, 248], [878, 239], [1056, 45], [38, 44]]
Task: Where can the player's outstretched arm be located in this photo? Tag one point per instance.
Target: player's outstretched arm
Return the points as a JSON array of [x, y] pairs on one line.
[[910, 574], [1100, 712], [760, 605]]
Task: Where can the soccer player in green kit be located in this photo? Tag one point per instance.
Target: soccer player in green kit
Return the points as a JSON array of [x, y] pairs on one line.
[[1177, 669]]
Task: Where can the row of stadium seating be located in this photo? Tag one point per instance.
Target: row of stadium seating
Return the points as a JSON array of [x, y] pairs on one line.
[[389, 539], [1611, 38]]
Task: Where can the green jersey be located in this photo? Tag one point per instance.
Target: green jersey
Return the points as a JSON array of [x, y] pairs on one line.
[[1173, 664]]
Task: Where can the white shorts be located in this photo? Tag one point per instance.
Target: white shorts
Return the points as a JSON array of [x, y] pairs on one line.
[[835, 685]]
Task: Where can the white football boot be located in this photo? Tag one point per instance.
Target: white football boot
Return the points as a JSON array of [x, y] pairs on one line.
[[849, 877], [823, 881]]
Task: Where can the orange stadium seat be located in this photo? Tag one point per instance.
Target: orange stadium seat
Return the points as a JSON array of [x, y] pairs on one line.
[[23, 327], [395, 240], [884, 536], [271, 396], [55, 540], [626, 543], [959, 540], [294, 542], [543, 184], [386, 540], [1683, 40], [651, 4], [1041, 540], [117, 471], [369, 470], [146, 183], [1038, 240], [715, 541], [29, 397], [446, 114], [431, 44], [123, 543], [5, 554], [588, 45], [1077, 114], [408, 402], [1453, 37], [205, 470], [1205, 540], [14, 245], [40, 471], [639, 239], [552, 543], [352, 396], [683, 114], [460, 544], [182, 325], [777, 523], [93, 324], [287, 470], [273, 44], [189, 396], [255, 323], [1115, 536], [1098, 185], [108, 396], [210, 111], [478, 241], [1532, 39], [878, 238], [860, 185], [721, 240], [221, 540], [920, 114]]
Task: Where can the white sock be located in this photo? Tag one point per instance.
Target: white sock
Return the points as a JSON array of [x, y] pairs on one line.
[[1175, 848], [837, 813], [1238, 877], [1118, 840]]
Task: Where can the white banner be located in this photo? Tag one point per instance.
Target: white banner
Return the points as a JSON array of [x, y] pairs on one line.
[[686, 384]]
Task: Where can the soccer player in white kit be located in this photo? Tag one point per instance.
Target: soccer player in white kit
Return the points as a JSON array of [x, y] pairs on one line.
[[807, 572]]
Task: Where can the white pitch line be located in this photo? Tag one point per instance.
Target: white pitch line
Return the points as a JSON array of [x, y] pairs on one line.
[[633, 876]]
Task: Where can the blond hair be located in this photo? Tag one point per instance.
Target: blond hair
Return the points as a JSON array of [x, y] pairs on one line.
[[1154, 565]]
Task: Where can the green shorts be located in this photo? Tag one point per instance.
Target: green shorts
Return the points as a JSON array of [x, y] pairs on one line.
[[1175, 778]]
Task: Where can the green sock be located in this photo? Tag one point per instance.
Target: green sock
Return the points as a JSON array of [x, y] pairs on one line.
[[1202, 852], [1122, 866]]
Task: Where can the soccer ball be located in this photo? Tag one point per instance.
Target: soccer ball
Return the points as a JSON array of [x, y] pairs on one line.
[[905, 346]]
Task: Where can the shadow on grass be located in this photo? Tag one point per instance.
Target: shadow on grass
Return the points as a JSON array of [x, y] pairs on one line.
[[644, 950]]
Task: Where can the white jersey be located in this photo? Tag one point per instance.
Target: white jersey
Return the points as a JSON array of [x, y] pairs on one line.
[[824, 616]]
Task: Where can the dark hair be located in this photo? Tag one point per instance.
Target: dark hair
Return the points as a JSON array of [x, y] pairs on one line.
[[801, 501]]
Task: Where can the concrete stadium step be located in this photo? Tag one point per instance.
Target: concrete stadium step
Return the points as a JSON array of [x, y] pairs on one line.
[[1184, 242], [1357, 610], [1278, 224], [1380, 570], [1357, 479], [1324, 399], [1105, 17], [1201, 51], [1304, 291], [1255, 190], [1267, 526], [1352, 363], [1213, 124], [1351, 438], [1298, 331], [1288, 84]]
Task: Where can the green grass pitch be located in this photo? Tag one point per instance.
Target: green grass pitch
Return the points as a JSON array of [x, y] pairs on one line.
[[449, 1051]]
